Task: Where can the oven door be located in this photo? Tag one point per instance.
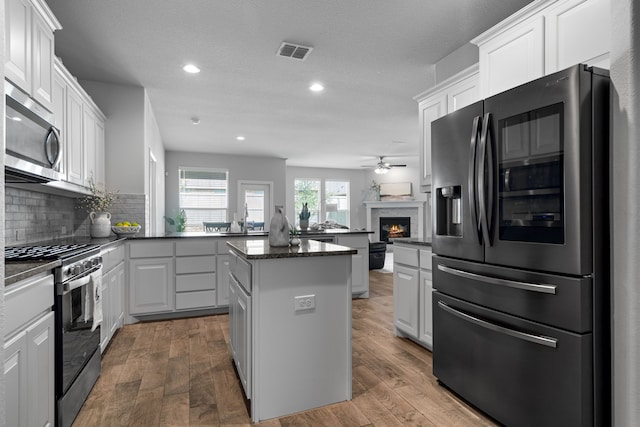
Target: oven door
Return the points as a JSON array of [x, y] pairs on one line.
[[75, 340]]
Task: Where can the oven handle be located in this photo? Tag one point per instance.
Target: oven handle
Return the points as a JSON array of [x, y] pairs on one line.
[[65, 288], [535, 287], [536, 339]]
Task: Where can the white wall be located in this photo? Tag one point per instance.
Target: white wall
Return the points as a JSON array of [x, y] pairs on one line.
[[2, 380], [625, 133], [243, 168], [153, 145], [124, 134]]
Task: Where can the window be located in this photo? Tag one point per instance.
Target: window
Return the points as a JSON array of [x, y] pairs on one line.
[[204, 196], [335, 195]]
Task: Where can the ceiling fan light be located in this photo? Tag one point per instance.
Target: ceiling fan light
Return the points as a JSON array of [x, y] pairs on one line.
[[380, 170]]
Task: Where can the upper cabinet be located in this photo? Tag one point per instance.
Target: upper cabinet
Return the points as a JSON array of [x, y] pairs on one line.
[[444, 98], [29, 48], [544, 37], [83, 128]]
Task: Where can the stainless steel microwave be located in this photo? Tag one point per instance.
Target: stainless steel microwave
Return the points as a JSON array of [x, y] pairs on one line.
[[33, 144]]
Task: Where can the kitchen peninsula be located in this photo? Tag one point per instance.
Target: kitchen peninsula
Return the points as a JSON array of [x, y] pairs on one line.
[[290, 324]]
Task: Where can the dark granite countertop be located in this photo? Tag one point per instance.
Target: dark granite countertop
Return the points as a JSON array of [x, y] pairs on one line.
[[188, 234], [409, 241], [260, 249], [14, 272]]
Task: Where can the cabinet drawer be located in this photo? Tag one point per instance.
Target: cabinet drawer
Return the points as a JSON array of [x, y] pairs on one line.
[[200, 299], [407, 256], [196, 247], [26, 299], [154, 249], [196, 264], [425, 259], [112, 257], [241, 270], [196, 282]]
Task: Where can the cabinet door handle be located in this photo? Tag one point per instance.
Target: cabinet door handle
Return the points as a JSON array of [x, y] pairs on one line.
[[534, 287], [536, 339]]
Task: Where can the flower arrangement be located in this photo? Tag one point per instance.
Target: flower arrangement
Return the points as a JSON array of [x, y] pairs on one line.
[[374, 186], [98, 200], [304, 213], [179, 220]]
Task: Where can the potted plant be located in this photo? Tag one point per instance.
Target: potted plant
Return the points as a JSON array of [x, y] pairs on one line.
[[304, 217], [294, 239], [97, 204], [179, 220]]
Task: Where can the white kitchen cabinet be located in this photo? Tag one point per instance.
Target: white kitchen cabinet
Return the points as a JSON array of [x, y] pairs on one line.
[[222, 280], [196, 273], [151, 276], [29, 46], [240, 332], [82, 130], [405, 304], [577, 31], [450, 95], [112, 293], [15, 375], [412, 293], [29, 352], [359, 262], [543, 37]]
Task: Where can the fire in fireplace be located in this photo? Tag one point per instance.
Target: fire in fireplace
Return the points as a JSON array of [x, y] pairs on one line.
[[394, 227]]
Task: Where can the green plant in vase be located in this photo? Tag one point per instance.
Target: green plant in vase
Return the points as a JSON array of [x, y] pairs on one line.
[[304, 217]]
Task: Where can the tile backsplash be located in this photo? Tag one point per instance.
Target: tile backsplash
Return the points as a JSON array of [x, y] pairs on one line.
[[32, 216]]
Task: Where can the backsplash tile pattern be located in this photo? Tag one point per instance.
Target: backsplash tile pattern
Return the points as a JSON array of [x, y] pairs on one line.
[[32, 216], [126, 207]]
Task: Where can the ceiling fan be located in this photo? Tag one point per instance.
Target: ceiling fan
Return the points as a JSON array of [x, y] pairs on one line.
[[382, 167]]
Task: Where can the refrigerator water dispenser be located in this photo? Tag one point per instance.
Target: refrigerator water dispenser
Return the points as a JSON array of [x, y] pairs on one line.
[[449, 211]]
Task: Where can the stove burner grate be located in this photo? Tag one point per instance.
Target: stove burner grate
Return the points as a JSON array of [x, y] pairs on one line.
[[42, 252]]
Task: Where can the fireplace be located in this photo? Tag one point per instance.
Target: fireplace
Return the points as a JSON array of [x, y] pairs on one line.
[[394, 227]]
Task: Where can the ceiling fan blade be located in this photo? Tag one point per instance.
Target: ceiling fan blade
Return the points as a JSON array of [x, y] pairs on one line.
[[397, 166]]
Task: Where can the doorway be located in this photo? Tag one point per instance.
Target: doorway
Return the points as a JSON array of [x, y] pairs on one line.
[[257, 196]]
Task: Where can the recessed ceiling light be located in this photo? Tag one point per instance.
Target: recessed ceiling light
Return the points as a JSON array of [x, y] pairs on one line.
[[195, 120], [190, 68], [316, 87], [15, 118], [240, 138]]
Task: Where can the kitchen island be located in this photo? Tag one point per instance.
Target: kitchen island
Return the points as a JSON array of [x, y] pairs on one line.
[[290, 324]]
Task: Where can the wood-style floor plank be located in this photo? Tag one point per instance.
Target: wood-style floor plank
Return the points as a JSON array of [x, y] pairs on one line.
[[180, 373]]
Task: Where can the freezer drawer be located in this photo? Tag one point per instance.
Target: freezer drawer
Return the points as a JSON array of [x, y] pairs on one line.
[[521, 373], [560, 301]]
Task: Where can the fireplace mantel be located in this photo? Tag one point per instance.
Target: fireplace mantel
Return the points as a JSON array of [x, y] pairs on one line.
[[397, 204]]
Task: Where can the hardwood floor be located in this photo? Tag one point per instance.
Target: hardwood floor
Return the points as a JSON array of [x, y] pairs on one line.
[[179, 373]]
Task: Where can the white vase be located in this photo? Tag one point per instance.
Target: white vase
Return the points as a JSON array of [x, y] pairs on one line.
[[304, 224], [100, 224], [279, 229]]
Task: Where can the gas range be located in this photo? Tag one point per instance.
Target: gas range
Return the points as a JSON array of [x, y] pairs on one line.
[[76, 259]]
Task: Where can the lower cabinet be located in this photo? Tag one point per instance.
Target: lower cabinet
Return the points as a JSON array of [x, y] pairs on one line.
[[412, 294], [29, 374], [112, 304], [359, 262], [406, 281], [240, 332], [222, 268], [151, 285]]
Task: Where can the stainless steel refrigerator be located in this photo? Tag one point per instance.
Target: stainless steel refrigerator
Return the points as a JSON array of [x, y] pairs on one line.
[[521, 312]]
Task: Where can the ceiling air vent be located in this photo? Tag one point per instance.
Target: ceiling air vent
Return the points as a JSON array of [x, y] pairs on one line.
[[295, 51]]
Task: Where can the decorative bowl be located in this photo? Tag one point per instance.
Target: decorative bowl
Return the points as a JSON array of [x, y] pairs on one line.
[[126, 230]]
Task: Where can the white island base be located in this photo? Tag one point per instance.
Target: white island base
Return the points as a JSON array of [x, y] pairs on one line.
[[290, 326]]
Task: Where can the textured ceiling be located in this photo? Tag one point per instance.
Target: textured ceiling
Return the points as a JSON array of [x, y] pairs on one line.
[[372, 56]]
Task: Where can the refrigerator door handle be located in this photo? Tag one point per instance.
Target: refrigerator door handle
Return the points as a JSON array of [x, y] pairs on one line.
[[472, 187], [534, 287], [536, 339], [486, 197]]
